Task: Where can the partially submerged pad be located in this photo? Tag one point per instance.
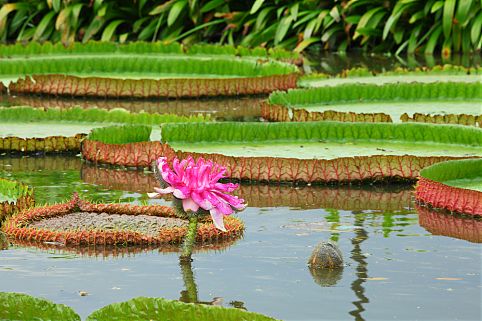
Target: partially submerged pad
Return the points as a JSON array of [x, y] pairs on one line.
[[323, 151], [14, 197], [457, 226], [18, 306], [132, 74], [158, 309], [455, 186], [27, 225], [449, 103]]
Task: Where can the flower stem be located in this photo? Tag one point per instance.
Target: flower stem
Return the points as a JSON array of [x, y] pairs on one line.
[[189, 239]]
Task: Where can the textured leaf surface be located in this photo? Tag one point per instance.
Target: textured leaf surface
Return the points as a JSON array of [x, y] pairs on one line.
[[16, 306], [164, 310]]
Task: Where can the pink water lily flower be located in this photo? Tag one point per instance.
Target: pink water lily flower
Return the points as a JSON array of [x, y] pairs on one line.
[[196, 183]]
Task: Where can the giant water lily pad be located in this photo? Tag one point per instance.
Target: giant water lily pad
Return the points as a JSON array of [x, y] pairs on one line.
[[157, 309], [21, 307], [365, 76], [451, 102], [455, 186], [323, 151], [86, 71], [79, 222]]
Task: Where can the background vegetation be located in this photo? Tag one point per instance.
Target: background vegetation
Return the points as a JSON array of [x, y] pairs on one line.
[[374, 25]]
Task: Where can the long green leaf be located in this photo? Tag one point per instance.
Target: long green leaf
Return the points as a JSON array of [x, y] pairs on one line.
[[448, 15]]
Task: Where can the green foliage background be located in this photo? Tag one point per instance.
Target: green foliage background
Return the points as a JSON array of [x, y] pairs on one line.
[[376, 25]]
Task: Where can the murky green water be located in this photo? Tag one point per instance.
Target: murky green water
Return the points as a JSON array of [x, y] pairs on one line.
[[395, 268]]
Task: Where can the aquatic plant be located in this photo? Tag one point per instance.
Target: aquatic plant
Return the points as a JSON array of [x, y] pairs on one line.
[[91, 115], [19, 226], [14, 197], [121, 134], [197, 192], [454, 186], [317, 104], [163, 75], [18, 306], [47, 145], [142, 47], [451, 73], [121, 146], [223, 143], [142, 308]]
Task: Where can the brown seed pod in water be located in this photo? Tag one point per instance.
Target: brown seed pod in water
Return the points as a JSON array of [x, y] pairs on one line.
[[326, 255]]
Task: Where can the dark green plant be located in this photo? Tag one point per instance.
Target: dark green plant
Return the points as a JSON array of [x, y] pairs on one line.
[[381, 25]]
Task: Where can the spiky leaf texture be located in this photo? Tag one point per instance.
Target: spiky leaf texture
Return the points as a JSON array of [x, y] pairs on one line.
[[158, 309], [14, 197], [91, 115], [17, 227], [140, 154], [18, 306], [314, 131], [141, 47], [48, 145], [456, 226], [121, 134], [432, 190]]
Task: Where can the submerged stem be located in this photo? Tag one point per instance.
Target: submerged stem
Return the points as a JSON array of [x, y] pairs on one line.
[[189, 239]]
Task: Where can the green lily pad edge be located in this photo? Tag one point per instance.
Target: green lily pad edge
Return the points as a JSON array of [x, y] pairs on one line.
[[18, 306]]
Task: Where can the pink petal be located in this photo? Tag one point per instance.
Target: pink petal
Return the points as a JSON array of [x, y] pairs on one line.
[[181, 192], [202, 202], [217, 219], [166, 190], [189, 205]]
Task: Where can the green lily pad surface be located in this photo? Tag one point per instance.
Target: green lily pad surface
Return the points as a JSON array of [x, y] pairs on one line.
[[157, 309], [22, 307], [324, 140], [328, 150], [384, 79], [125, 66], [466, 174], [450, 98], [396, 109]]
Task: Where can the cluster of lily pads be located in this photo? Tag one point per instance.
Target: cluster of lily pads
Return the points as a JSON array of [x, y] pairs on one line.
[[353, 128]]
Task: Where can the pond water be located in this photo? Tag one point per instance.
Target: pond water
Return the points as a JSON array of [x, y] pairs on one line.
[[401, 262], [395, 268]]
